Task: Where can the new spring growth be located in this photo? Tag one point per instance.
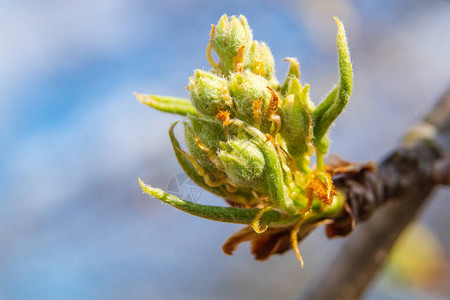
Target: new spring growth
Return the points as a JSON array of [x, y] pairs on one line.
[[250, 140]]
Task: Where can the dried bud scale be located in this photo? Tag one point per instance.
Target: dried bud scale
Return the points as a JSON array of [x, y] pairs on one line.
[[250, 140]]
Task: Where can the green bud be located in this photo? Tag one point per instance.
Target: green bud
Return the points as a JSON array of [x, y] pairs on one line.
[[243, 161], [295, 88], [227, 38], [273, 184], [209, 93], [297, 129], [250, 140], [208, 130], [247, 89], [259, 60]]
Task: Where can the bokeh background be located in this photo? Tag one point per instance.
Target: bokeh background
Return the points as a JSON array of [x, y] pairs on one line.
[[74, 223]]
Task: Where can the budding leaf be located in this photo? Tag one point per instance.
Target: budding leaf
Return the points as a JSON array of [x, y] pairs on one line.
[[243, 161], [167, 104], [227, 38], [209, 93], [259, 60], [335, 102], [216, 213]]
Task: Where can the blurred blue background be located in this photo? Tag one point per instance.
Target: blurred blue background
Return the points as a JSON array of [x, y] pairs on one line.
[[74, 223]]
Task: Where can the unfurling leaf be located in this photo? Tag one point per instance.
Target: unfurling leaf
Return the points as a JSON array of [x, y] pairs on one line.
[[335, 102], [167, 104]]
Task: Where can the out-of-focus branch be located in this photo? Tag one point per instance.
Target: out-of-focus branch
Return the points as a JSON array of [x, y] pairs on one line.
[[407, 176]]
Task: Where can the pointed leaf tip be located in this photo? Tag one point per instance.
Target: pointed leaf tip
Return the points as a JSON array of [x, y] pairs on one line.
[[337, 20], [335, 102], [154, 192], [341, 30], [345, 64], [167, 104]]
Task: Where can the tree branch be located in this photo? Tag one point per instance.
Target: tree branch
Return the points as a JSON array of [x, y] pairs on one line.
[[407, 176]]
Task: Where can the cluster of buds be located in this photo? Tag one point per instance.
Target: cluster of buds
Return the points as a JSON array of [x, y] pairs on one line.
[[250, 140]]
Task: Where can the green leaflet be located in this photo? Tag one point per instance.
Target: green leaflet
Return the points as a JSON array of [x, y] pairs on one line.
[[246, 216], [168, 104], [216, 213], [326, 103], [335, 102]]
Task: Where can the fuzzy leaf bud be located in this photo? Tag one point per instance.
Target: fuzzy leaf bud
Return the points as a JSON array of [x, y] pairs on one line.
[[208, 130], [243, 161], [209, 93], [227, 38], [259, 60], [297, 128], [248, 89], [195, 150]]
